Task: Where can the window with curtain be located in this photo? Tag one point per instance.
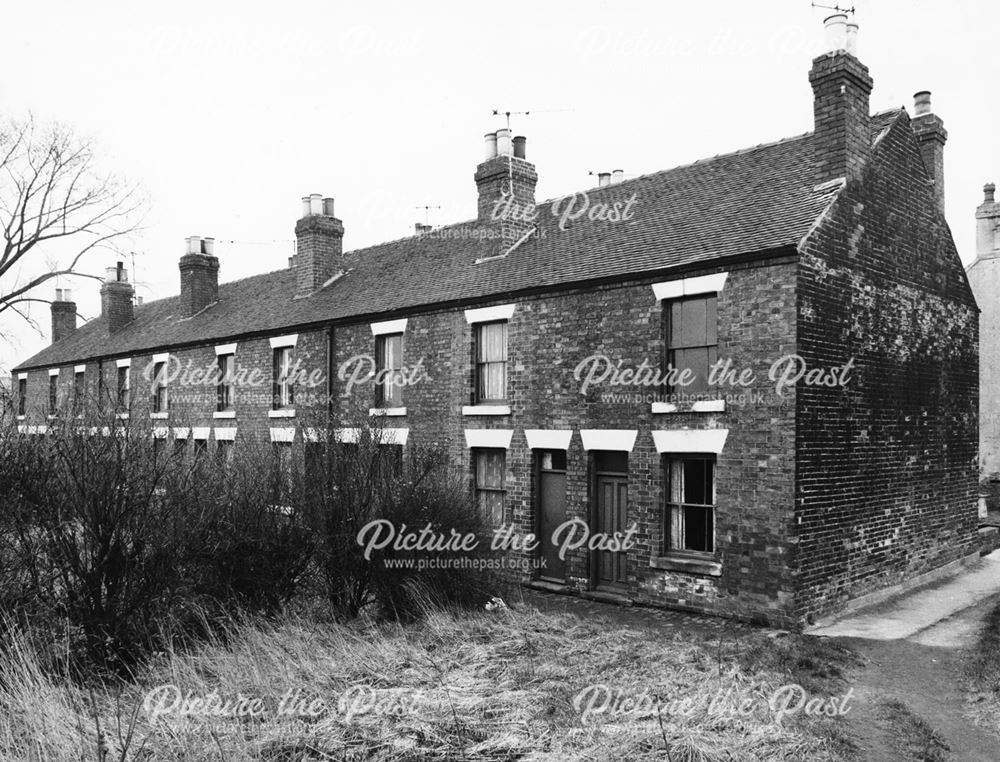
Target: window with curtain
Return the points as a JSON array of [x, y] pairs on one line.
[[490, 492], [78, 392], [283, 391], [491, 362], [123, 387], [160, 388], [690, 516], [692, 340], [389, 363], [224, 385]]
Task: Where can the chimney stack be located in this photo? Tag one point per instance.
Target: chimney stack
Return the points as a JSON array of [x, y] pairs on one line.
[[988, 224], [63, 314], [319, 245], [116, 298], [421, 228], [506, 182], [931, 136], [841, 88], [199, 275]]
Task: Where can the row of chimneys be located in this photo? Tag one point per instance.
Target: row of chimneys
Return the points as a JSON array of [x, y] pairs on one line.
[[506, 184]]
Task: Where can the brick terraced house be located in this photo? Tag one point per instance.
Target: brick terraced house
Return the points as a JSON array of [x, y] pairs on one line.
[[821, 445]]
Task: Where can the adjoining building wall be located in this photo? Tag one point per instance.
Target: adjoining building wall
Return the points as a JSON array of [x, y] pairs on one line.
[[984, 277]]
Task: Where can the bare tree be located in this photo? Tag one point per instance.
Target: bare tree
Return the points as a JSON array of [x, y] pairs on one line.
[[55, 208]]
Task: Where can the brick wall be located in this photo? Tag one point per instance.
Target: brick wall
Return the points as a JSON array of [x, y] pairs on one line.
[[886, 480]]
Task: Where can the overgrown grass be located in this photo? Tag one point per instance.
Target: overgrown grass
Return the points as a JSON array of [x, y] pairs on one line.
[[494, 685], [915, 739]]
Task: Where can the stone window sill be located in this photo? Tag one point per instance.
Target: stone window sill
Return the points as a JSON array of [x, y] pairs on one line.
[[288, 412], [225, 414], [486, 410], [387, 411], [122, 416], [701, 406], [687, 564], [159, 415], [22, 417]]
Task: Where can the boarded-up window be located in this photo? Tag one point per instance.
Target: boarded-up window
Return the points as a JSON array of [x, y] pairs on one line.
[[489, 467], [692, 339]]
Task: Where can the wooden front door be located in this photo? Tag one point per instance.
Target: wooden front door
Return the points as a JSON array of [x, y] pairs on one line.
[[609, 516], [551, 511]]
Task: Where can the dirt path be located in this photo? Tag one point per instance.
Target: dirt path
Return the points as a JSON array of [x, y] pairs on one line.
[[927, 681]]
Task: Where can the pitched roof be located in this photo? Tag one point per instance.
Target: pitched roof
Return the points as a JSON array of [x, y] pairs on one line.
[[749, 201]]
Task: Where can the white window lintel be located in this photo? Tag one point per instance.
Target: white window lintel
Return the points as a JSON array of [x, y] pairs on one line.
[[284, 341], [621, 440], [690, 440], [389, 327], [548, 439], [489, 438], [702, 284], [490, 314]]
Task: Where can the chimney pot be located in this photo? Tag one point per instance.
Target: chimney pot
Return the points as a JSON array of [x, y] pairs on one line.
[[851, 39], [315, 204], [503, 142], [306, 205], [617, 176], [835, 28], [603, 179], [328, 207], [67, 295], [988, 190], [491, 145], [922, 103], [520, 146], [59, 295], [208, 246]]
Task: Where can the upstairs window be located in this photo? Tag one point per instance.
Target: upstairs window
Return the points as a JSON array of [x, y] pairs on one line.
[[79, 389], [53, 394], [692, 340], [388, 367], [489, 467], [160, 399], [690, 519], [123, 387], [224, 386], [22, 395], [283, 390], [491, 362]]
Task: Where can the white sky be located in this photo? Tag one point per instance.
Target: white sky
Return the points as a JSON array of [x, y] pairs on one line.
[[227, 113]]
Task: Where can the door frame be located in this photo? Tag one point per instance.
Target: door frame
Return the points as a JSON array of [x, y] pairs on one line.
[[537, 471]]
